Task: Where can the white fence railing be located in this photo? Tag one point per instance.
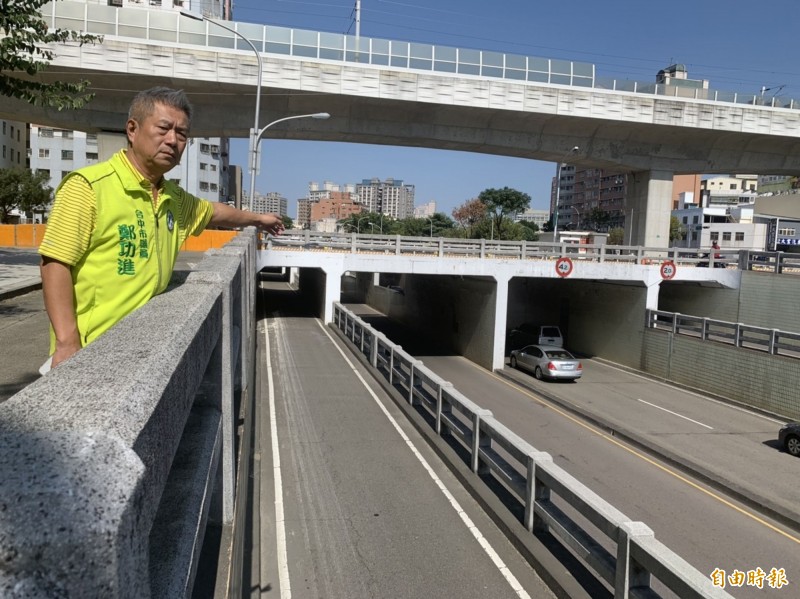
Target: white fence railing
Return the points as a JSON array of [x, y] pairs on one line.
[[543, 489], [776, 262], [771, 341]]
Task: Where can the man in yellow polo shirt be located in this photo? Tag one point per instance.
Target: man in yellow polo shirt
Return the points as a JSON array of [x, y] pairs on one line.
[[116, 227]]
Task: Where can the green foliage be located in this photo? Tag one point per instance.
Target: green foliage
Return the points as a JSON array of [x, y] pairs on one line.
[[616, 236], [596, 220], [371, 222], [676, 230], [24, 190], [502, 202], [23, 52], [288, 223]]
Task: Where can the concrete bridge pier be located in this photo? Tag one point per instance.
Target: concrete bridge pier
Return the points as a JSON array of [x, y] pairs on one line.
[[500, 320], [649, 207]]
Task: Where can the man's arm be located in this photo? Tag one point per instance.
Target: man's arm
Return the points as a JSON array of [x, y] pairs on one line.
[[228, 216], [60, 305]]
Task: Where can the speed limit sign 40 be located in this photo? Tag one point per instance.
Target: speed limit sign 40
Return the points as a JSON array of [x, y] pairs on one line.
[[668, 269], [564, 267]]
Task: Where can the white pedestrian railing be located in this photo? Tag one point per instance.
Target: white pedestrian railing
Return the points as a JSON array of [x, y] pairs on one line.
[[624, 554], [445, 247], [771, 341]]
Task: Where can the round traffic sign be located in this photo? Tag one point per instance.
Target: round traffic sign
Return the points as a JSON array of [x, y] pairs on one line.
[[668, 269], [564, 267]]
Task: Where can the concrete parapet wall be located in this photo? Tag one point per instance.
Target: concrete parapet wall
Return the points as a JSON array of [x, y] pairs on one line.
[[747, 376], [89, 452]]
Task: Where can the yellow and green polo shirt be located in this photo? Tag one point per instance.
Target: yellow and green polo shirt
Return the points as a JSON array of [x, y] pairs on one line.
[[121, 246]]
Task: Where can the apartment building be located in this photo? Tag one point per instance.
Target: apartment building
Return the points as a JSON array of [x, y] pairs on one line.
[[14, 139], [391, 197], [271, 202]]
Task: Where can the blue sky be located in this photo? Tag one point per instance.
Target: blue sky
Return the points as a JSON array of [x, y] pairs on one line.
[[732, 43]]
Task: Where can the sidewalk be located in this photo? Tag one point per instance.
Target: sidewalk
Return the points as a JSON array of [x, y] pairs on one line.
[[16, 279]]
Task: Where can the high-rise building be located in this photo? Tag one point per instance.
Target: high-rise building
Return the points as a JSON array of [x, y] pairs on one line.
[[270, 202], [425, 210], [391, 197], [339, 205], [14, 139]]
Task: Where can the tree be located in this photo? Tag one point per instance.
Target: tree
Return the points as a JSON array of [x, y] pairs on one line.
[[24, 190], [676, 230], [23, 51], [288, 223], [469, 214], [616, 236], [501, 203]]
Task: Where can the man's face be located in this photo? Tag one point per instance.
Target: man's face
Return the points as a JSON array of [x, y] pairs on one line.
[[157, 142]]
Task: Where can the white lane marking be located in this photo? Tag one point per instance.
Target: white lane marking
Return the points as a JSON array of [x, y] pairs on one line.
[[280, 521], [688, 392], [482, 541], [676, 414]]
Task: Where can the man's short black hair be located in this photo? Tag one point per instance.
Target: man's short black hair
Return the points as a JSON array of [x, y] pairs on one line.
[[144, 103]]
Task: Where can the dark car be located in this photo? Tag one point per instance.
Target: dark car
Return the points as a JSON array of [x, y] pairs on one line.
[[789, 438]]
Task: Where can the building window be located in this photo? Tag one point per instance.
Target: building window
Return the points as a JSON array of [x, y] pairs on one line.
[[695, 219], [205, 148], [714, 236], [4, 151], [91, 137], [726, 236], [66, 154], [213, 187], [739, 236], [91, 155], [685, 220], [213, 167], [44, 171], [43, 132], [203, 166], [4, 127], [11, 154], [44, 152], [67, 134], [65, 173], [203, 186], [786, 232], [12, 132]]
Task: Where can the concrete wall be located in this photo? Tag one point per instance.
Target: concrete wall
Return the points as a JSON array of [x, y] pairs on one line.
[[312, 289], [455, 311], [750, 377], [110, 460], [689, 298]]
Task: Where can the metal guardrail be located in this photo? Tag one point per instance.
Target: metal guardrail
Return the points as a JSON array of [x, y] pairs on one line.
[[165, 26], [771, 341], [540, 486]]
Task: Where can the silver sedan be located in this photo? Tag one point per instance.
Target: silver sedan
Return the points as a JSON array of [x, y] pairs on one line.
[[547, 361]]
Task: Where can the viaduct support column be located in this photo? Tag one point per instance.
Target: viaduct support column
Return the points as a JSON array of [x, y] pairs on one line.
[[333, 291], [649, 195], [500, 320]]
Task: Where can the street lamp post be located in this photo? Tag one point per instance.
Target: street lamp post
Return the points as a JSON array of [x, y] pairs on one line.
[[257, 139], [199, 17], [431, 221], [358, 224], [558, 191]]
